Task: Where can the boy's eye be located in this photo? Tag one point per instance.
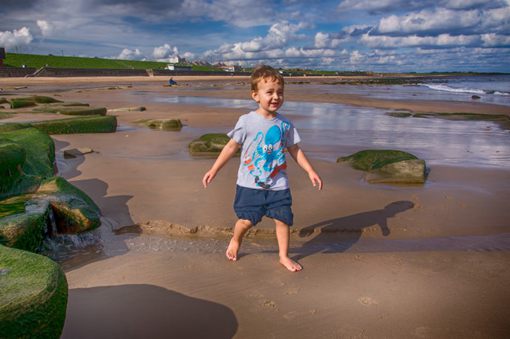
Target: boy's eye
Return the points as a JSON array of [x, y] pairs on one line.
[[264, 148], [270, 147]]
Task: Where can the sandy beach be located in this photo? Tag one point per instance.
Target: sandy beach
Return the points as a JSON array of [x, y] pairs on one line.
[[379, 261]]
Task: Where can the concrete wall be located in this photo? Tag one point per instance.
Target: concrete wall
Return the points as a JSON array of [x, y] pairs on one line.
[[163, 72], [89, 72], [6, 72], [100, 72]]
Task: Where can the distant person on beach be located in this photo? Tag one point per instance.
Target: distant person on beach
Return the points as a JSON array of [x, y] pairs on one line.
[[172, 82], [262, 189]]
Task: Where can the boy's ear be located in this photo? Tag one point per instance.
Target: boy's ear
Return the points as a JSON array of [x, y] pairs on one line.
[[255, 96]]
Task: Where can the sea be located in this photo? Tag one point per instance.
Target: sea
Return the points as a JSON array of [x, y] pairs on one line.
[[331, 130]]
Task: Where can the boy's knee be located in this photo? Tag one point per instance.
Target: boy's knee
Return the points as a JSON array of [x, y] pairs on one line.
[[280, 223], [245, 223]]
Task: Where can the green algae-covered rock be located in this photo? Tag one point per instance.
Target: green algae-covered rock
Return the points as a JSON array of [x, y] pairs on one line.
[[74, 211], [86, 124], [33, 295], [23, 222], [388, 166], [31, 101], [27, 157], [5, 115], [24, 219], [12, 126], [72, 110], [208, 144], [401, 172], [367, 160], [163, 124]]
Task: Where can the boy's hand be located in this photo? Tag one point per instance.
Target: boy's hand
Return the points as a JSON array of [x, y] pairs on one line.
[[208, 177], [315, 179]]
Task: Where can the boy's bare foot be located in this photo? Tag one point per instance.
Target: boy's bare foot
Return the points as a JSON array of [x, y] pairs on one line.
[[232, 249], [290, 264]]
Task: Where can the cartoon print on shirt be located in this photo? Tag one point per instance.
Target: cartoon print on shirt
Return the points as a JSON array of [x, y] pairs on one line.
[[268, 157]]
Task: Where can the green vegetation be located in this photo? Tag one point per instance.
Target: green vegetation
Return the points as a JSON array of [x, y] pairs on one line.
[[33, 300], [208, 144], [38, 61]]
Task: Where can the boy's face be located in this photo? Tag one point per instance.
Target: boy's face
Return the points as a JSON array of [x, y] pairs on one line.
[[269, 95]]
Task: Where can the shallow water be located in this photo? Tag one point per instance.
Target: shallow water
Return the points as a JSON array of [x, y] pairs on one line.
[[332, 130], [490, 89]]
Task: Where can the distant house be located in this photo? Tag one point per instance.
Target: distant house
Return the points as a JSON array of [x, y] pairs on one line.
[[176, 59], [173, 67], [231, 69], [2, 56]]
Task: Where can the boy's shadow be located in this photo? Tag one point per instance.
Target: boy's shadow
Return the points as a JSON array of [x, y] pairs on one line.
[[338, 235]]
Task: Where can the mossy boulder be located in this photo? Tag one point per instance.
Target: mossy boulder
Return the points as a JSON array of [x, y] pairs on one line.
[[85, 124], [26, 219], [74, 211], [31, 101], [163, 124], [388, 166], [33, 295], [27, 156], [23, 222], [71, 110], [5, 115], [208, 144]]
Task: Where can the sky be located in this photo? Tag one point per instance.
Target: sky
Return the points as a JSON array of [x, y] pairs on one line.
[[363, 35]]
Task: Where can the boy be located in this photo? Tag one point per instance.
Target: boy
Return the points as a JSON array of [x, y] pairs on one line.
[[262, 184]]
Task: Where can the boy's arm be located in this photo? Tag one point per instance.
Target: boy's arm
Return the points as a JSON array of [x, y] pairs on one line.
[[226, 153], [300, 157]]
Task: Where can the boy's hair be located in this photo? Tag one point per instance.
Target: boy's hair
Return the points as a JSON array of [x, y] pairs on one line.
[[263, 72]]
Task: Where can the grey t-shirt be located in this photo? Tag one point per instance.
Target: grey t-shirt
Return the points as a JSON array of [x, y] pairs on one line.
[[264, 144]]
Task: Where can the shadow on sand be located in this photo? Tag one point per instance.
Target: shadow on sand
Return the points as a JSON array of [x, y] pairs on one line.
[[144, 311], [340, 234]]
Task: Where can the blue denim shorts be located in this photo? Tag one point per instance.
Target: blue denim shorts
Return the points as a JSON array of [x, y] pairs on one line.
[[252, 204]]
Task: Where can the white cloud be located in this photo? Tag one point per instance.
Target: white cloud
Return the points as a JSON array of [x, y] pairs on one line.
[[165, 51], [15, 38], [271, 46], [494, 40], [128, 54], [369, 5], [322, 40], [46, 27], [441, 20], [441, 40], [356, 57]]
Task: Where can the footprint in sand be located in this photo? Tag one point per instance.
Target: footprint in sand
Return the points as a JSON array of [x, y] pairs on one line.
[[270, 304], [367, 301], [292, 291]]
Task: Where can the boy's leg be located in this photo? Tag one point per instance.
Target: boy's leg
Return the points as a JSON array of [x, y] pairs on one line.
[[283, 235], [240, 229]]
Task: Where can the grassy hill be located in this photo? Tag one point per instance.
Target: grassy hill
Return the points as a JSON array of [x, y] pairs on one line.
[[37, 61]]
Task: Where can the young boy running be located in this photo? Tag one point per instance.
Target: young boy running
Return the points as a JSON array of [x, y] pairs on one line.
[[262, 189]]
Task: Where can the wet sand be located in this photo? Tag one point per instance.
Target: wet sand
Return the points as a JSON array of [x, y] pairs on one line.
[[379, 261]]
